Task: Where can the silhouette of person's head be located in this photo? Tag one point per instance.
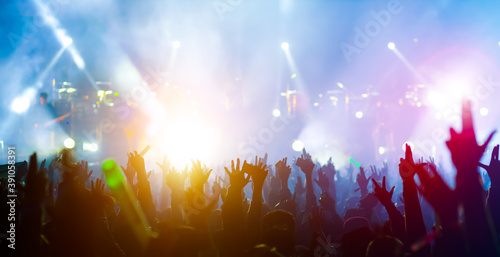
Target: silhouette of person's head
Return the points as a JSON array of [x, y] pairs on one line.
[[43, 98], [385, 246]]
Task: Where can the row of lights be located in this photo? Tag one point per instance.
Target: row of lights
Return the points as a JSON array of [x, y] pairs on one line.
[[69, 143]]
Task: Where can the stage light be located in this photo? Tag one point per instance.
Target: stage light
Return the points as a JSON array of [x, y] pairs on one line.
[[381, 150], [66, 41], [71, 90], [359, 114], [391, 45], [187, 139], [176, 44], [90, 147], [340, 85], [69, 143], [77, 58], [419, 104], [276, 113], [483, 111], [297, 145], [285, 46], [20, 104]]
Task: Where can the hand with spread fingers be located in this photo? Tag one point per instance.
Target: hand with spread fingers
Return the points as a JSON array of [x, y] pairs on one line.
[[464, 149], [362, 181], [384, 196], [199, 175], [237, 176], [493, 169], [322, 180], [283, 170], [258, 173], [438, 194], [175, 180]]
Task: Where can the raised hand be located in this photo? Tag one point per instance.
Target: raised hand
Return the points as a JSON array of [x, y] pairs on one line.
[[42, 165], [305, 154], [316, 217], [165, 165], [299, 187], [175, 180], [384, 196], [97, 188], [199, 175], [283, 171], [237, 176], [322, 180], [375, 175], [438, 194], [36, 182], [55, 164], [407, 166], [129, 172], [82, 171], [257, 172], [305, 163], [493, 169], [329, 168], [137, 162], [464, 149], [362, 181], [216, 187]]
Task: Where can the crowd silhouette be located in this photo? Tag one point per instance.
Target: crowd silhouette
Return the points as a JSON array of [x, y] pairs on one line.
[[65, 210]]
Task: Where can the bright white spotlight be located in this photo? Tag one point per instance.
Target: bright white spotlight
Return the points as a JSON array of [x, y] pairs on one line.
[[69, 143], [285, 46], [176, 44], [391, 45], [359, 114], [297, 145], [276, 113], [483, 111], [340, 85], [381, 150], [77, 58], [67, 41], [20, 104], [90, 147], [187, 139]]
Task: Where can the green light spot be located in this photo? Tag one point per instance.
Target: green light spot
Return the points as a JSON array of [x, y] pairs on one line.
[[116, 94], [358, 165], [351, 160], [108, 165], [112, 182], [113, 174]]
